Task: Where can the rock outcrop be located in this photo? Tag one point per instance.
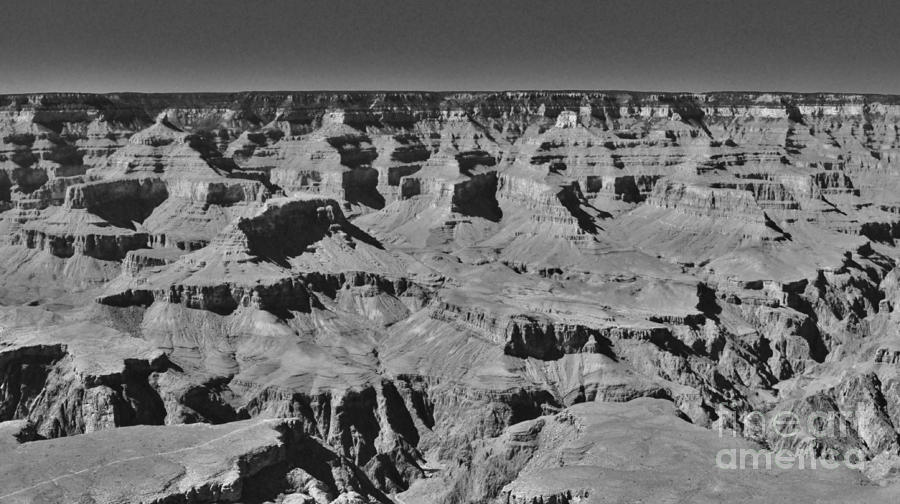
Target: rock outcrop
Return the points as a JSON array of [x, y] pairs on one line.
[[512, 297]]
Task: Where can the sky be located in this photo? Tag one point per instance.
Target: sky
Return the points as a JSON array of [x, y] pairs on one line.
[[639, 45]]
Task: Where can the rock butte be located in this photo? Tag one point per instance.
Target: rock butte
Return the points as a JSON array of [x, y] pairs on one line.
[[513, 297]]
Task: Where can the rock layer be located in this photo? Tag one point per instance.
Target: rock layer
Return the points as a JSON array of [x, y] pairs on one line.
[[420, 290]]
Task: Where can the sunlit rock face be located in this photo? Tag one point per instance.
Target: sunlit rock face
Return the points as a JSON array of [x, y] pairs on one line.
[[445, 297]]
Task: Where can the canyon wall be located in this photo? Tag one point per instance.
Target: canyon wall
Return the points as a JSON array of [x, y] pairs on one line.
[[405, 296]]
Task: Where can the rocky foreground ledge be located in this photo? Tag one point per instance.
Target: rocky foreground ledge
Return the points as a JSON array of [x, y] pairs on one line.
[[235, 462], [513, 297]]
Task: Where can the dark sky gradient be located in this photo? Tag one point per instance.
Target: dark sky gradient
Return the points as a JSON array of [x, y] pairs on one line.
[[669, 45]]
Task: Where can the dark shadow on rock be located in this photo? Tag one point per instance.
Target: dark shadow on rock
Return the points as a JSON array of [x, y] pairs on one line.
[[476, 197]]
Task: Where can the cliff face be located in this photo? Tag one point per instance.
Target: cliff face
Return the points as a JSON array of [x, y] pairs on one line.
[[424, 287]]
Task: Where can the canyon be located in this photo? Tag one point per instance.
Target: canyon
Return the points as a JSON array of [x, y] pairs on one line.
[[525, 297]]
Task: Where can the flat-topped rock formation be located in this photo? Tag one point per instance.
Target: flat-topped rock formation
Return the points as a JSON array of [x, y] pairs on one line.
[[631, 452], [518, 297]]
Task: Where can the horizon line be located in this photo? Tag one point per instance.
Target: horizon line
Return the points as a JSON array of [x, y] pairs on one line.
[[446, 91]]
